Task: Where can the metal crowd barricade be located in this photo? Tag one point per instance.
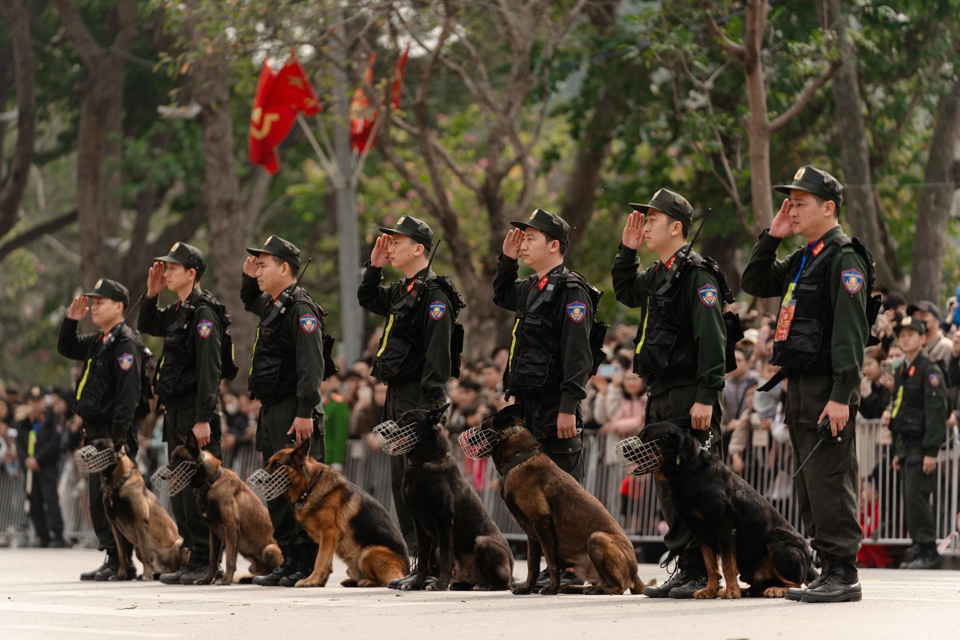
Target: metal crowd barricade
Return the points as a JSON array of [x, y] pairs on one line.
[[632, 500]]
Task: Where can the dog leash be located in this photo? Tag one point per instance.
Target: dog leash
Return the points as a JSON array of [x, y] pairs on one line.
[[824, 430]]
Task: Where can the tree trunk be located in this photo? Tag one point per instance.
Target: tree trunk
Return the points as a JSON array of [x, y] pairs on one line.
[[860, 209], [936, 198]]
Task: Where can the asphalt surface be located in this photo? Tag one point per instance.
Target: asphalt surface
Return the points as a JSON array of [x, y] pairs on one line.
[[42, 597]]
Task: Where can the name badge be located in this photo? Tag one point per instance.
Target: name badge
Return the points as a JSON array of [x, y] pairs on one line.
[[787, 307]]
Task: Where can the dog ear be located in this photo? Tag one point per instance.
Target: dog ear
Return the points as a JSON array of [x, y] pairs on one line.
[[437, 414], [687, 446], [118, 444], [302, 450], [193, 446], [509, 415]]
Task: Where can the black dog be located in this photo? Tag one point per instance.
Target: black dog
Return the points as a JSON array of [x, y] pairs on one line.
[[449, 516], [730, 520]]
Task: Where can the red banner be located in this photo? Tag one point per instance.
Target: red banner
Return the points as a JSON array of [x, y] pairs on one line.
[[362, 115], [280, 96]]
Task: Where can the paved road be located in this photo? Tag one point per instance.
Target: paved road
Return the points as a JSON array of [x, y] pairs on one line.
[[41, 597]]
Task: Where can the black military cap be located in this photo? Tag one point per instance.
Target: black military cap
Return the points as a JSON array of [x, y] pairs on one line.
[[911, 323], [924, 305], [110, 289], [412, 228], [277, 246], [815, 181], [187, 255], [549, 223], [670, 203]]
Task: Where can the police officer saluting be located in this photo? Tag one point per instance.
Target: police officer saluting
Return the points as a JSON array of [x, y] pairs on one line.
[[108, 391], [917, 420], [821, 334], [681, 350], [420, 347], [187, 380], [285, 373]]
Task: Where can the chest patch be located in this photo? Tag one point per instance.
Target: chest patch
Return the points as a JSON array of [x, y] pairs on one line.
[[708, 294], [125, 361], [205, 328], [437, 309], [308, 323], [577, 311], [852, 280], [934, 379]]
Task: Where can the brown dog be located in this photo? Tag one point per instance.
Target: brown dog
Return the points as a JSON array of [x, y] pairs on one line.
[[237, 519], [562, 521], [137, 519], [341, 518]]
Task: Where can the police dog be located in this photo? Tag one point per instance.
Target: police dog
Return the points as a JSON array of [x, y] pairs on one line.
[[563, 522], [729, 519], [237, 519], [341, 518], [137, 519], [449, 516]]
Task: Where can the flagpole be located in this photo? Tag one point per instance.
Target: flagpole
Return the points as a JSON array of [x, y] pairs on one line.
[[324, 160]]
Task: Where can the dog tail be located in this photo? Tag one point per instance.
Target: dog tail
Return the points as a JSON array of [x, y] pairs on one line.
[[639, 585]]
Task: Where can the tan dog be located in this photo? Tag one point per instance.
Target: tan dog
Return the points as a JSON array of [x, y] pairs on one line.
[[137, 519], [341, 518], [237, 519]]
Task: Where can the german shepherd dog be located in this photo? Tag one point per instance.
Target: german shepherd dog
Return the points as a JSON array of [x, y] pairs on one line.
[[341, 518], [730, 520], [563, 522], [137, 519], [235, 516], [449, 516]]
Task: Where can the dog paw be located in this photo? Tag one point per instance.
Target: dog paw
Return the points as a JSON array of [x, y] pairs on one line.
[[524, 590], [436, 585], [730, 594], [413, 585], [223, 580], [349, 583], [549, 591], [705, 594], [307, 582], [775, 592]]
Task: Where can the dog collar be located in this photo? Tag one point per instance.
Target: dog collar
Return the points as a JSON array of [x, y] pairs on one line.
[[124, 479], [517, 459], [302, 498], [512, 430], [209, 483]]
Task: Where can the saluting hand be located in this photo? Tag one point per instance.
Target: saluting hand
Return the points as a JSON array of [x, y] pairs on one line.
[[513, 243], [380, 256], [633, 231], [781, 225], [78, 308], [155, 280], [250, 267]]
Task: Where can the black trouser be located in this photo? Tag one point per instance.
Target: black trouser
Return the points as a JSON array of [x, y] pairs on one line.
[[275, 421], [45, 503], [918, 489], [98, 516], [669, 406], [401, 396], [192, 527], [827, 487], [540, 414]]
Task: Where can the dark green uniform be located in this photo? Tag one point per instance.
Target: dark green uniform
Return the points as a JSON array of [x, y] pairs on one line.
[[680, 352], [187, 384], [822, 354], [414, 358], [285, 373], [108, 393], [550, 355], [918, 420]]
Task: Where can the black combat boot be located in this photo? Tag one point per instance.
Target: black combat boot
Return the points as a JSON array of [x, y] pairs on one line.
[[929, 558], [841, 584], [433, 573], [911, 554], [194, 570], [113, 565], [284, 569], [92, 575], [690, 574], [795, 594], [304, 561]]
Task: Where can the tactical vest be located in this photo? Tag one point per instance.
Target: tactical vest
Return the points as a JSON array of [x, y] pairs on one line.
[[97, 383], [535, 361], [665, 342], [806, 349], [906, 417], [176, 373], [273, 364], [402, 352]]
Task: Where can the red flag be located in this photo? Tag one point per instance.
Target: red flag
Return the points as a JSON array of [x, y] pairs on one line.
[[280, 96], [362, 116], [398, 79]]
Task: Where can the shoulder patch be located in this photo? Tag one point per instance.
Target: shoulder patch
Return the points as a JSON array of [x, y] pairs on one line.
[[205, 328], [852, 280], [708, 294], [437, 309], [577, 311], [934, 379], [308, 322], [125, 361]]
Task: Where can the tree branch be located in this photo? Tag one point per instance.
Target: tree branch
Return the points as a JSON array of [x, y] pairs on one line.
[[38, 231], [736, 50], [778, 123]]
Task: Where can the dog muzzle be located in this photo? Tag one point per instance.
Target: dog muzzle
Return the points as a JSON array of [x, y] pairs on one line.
[[395, 440], [91, 460], [639, 457], [269, 486], [170, 482], [478, 443]]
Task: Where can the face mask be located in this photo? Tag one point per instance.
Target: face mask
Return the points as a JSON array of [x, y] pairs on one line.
[[232, 408], [896, 362]]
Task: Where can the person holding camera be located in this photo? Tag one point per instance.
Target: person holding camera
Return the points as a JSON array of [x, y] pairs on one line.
[[876, 383]]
